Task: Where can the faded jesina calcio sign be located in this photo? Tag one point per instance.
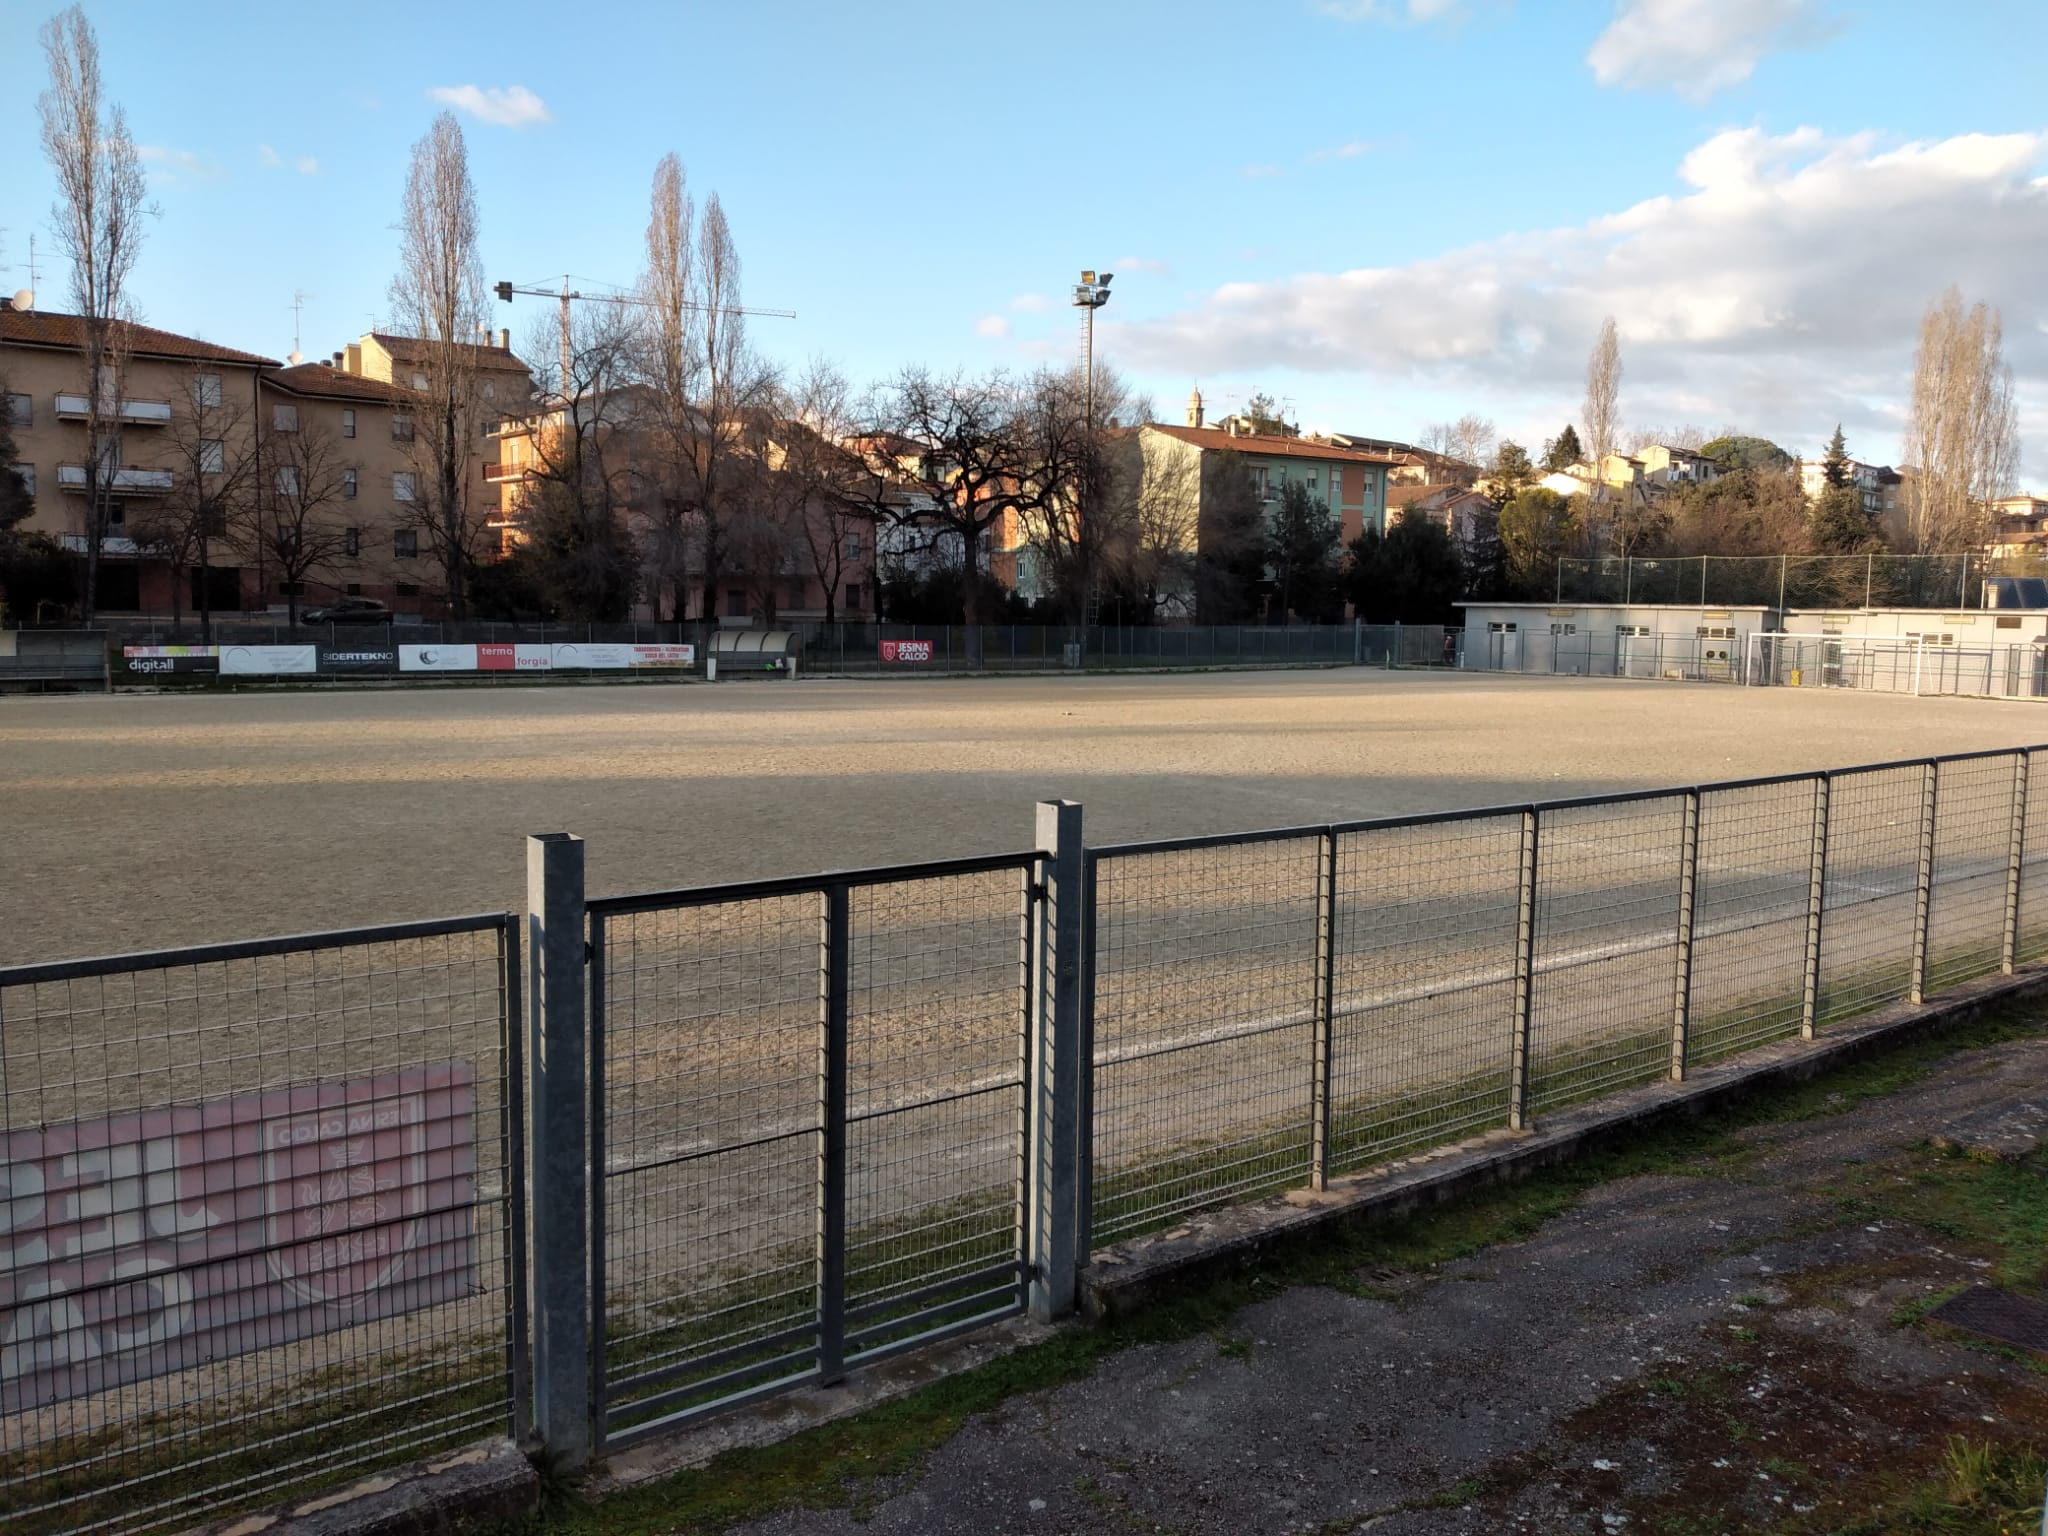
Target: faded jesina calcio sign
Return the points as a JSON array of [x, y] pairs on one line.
[[139, 1244]]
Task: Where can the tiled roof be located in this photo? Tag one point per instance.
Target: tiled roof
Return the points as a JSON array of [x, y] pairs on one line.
[[1282, 447], [41, 328], [411, 349], [327, 381], [1403, 495]]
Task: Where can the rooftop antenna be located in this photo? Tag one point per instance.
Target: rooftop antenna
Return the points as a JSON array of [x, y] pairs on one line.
[[298, 302]]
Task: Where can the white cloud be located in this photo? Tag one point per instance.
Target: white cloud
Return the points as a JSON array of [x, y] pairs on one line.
[[1030, 303], [994, 326], [306, 165], [1781, 285], [1349, 151], [169, 165], [1698, 47], [270, 156], [508, 106]]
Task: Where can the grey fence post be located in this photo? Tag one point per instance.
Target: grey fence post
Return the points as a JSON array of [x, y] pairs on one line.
[[2015, 858], [556, 1146], [835, 949], [1816, 896], [1525, 979], [1923, 890], [1055, 1082], [1688, 877], [1325, 1011]]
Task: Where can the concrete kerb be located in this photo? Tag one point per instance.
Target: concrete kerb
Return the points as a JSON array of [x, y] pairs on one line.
[[492, 1480], [1122, 1279]]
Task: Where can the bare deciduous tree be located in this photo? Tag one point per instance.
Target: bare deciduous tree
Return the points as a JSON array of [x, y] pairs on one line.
[[438, 297], [816, 471], [1603, 386], [1962, 437], [211, 445], [292, 522], [710, 390], [98, 218]]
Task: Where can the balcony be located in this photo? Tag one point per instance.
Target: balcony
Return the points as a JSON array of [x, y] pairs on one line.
[[136, 413], [498, 474], [126, 482]]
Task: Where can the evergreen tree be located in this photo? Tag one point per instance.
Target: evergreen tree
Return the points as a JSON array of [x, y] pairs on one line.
[[1563, 450], [1412, 575], [15, 502], [1838, 525], [1739, 452], [1512, 469], [1302, 552], [1536, 527], [1835, 467], [1265, 415]]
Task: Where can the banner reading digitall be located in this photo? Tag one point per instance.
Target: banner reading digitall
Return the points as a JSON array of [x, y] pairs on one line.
[[375, 659]]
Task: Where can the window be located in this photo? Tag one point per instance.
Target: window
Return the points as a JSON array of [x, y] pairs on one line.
[[351, 542], [796, 594], [401, 427], [354, 588], [853, 546], [21, 410], [419, 381], [408, 589], [285, 479], [348, 485], [404, 485], [1564, 629], [490, 428], [206, 388], [490, 390], [284, 418], [213, 456], [1631, 629], [1499, 628], [290, 588], [735, 604], [213, 521], [405, 543], [26, 474], [348, 423], [853, 595]]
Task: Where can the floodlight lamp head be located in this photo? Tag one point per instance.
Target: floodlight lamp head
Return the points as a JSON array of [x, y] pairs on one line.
[[1087, 277], [1106, 277]]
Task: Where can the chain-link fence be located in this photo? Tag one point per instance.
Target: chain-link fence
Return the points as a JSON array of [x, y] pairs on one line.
[[260, 1219], [808, 1128]]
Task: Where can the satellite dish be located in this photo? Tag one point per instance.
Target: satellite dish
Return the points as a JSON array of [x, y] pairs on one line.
[[295, 357], [25, 300]]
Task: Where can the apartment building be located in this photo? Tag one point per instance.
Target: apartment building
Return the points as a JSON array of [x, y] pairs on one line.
[[1878, 484], [187, 408], [215, 449]]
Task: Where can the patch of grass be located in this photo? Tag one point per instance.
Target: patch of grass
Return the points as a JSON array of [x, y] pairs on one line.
[[1982, 1489], [1234, 1346]]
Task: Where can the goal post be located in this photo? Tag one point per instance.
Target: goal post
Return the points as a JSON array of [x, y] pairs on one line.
[[1936, 663]]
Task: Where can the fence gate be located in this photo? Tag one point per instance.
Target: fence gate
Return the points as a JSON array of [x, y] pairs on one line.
[[808, 1127]]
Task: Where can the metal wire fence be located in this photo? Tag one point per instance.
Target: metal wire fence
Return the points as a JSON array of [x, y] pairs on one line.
[[1270, 1011], [262, 1219], [808, 1109]]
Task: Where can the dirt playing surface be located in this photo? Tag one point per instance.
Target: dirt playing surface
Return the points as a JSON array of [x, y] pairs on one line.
[[142, 821]]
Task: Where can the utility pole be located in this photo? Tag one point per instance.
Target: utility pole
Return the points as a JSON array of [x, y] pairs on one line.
[[1090, 294]]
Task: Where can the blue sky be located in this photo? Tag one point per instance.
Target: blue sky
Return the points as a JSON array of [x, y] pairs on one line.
[[1388, 211]]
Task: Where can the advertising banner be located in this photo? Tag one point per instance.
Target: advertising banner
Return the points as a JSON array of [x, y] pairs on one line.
[[604, 657], [437, 658], [148, 659], [358, 658], [268, 660], [514, 658], [906, 650], [139, 1244]]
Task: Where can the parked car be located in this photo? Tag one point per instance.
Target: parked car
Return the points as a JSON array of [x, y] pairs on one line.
[[350, 610]]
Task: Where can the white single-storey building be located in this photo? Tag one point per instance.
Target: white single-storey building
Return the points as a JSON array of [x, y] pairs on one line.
[[1680, 641]]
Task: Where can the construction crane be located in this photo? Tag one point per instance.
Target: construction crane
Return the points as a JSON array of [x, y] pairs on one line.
[[566, 294]]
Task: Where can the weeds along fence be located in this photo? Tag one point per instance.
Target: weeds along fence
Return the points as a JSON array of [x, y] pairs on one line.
[[269, 1205]]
